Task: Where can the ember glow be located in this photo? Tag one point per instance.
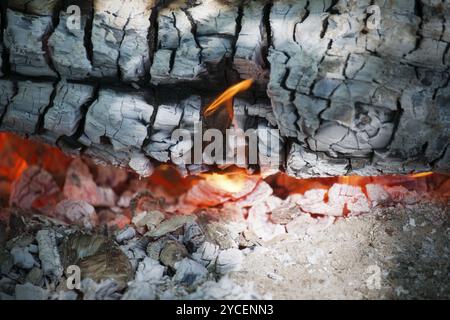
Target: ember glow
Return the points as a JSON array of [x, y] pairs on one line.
[[17, 154], [226, 98], [28, 170], [231, 182]]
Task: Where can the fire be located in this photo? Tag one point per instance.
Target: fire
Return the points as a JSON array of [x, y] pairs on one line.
[[16, 154], [188, 194], [421, 175], [228, 182], [226, 98]]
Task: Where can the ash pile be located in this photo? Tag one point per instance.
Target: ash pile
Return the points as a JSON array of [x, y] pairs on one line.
[[172, 261]]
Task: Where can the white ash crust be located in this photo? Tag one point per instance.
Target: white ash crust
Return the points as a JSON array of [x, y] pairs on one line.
[[27, 106], [24, 36], [189, 272], [66, 113], [229, 260], [68, 52], [339, 90], [125, 123], [185, 55], [49, 255], [167, 119], [119, 38], [248, 59]]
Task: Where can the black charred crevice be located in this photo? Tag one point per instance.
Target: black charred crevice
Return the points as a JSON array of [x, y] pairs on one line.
[[89, 16], [84, 110], [239, 17], [396, 120], [41, 120], [266, 33], [16, 91], [45, 46], [6, 67], [152, 40], [193, 28], [418, 11], [124, 31], [440, 157]]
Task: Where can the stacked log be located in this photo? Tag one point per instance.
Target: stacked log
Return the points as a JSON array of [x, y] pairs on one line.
[[354, 87]]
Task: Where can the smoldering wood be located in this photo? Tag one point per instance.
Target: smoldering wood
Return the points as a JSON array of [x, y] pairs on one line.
[[87, 191], [348, 97], [126, 121], [34, 184], [77, 212], [171, 253]]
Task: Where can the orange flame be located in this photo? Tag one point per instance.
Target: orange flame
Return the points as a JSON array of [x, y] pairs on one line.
[[226, 97], [421, 175]]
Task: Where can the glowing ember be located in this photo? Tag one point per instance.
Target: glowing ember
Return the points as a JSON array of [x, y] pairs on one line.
[[111, 191], [230, 183], [226, 98], [16, 154]]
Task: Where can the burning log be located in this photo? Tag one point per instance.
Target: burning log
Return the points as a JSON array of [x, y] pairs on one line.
[[350, 92]]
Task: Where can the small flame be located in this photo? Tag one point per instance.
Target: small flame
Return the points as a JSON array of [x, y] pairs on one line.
[[421, 175], [230, 183], [226, 97]]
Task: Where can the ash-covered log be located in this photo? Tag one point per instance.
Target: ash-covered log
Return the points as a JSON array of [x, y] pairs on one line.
[[354, 87]]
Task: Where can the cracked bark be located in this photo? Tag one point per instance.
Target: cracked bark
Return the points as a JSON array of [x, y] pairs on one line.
[[347, 98]]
